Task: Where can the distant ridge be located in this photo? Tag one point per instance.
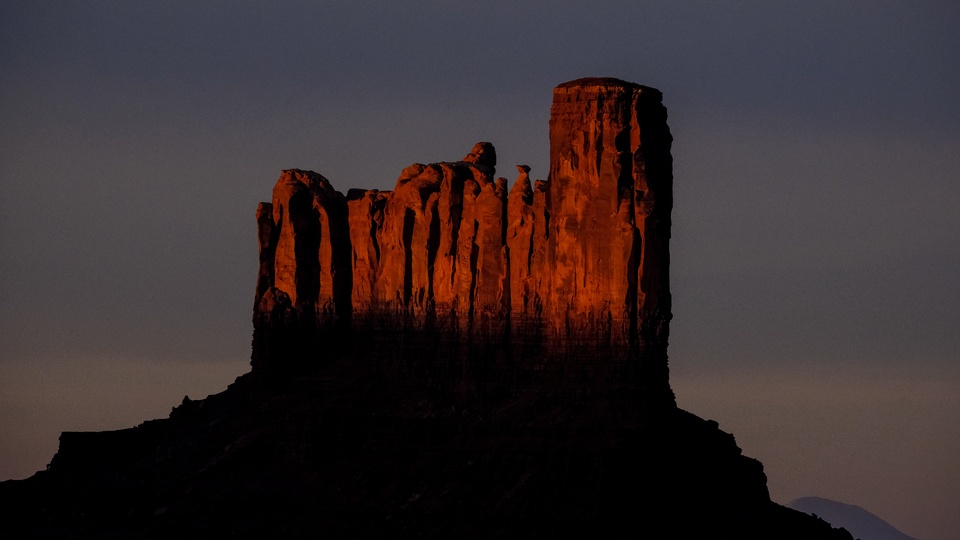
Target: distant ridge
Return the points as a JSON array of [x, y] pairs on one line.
[[861, 523]]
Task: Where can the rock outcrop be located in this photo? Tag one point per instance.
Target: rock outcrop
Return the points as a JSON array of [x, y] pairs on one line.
[[456, 358], [580, 258]]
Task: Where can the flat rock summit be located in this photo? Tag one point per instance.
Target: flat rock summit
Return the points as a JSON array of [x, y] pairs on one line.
[[465, 356]]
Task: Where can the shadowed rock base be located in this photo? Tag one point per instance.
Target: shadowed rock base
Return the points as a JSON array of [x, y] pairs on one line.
[[349, 451]]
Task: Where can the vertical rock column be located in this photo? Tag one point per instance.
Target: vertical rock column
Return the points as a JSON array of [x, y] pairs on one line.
[[611, 194], [527, 236], [442, 234], [306, 275], [365, 217]]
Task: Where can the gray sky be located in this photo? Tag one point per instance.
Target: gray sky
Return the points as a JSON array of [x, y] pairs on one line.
[[816, 260]]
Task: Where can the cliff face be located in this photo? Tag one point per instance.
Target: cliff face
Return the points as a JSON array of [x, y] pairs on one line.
[[610, 201], [581, 257]]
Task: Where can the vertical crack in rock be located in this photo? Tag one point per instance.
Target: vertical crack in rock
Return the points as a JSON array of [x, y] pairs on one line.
[[409, 221], [449, 210], [472, 286], [433, 245], [520, 242], [267, 240]]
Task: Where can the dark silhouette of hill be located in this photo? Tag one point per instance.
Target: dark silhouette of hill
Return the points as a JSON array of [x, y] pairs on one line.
[[447, 360], [862, 524], [348, 453]]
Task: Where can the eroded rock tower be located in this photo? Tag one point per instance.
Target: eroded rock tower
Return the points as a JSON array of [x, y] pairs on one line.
[[571, 271]]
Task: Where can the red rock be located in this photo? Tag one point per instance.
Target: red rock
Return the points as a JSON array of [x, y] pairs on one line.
[[267, 240], [311, 256], [449, 213], [603, 205], [520, 222], [490, 271], [584, 254], [402, 276], [365, 216], [541, 261]]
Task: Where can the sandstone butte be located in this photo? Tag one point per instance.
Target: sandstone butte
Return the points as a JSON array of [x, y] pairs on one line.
[[454, 252], [457, 358]]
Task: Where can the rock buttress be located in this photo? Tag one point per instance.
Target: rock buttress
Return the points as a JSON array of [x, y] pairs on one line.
[[520, 246], [306, 276], [365, 220], [611, 187], [611, 198], [429, 252]]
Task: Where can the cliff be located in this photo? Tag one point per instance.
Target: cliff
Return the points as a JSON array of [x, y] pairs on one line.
[[453, 253]]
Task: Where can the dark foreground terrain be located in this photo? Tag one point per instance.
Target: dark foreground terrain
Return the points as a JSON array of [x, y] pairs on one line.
[[347, 452]]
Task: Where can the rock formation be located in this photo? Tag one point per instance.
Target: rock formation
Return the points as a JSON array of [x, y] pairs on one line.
[[581, 257], [456, 358]]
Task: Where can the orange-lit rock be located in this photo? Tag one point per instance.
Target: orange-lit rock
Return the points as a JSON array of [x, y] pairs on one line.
[[311, 260], [519, 240], [267, 241], [583, 256], [365, 216], [425, 255], [609, 215], [402, 276]]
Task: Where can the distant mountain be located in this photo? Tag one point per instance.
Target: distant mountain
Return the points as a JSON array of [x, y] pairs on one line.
[[861, 524]]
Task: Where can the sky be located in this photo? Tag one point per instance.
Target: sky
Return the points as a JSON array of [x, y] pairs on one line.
[[816, 261]]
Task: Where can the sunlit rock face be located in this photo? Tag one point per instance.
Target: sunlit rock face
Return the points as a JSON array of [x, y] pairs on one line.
[[574, 268], [610, 198]]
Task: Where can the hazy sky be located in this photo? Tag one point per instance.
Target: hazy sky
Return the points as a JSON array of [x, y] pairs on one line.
[[815, 246]]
